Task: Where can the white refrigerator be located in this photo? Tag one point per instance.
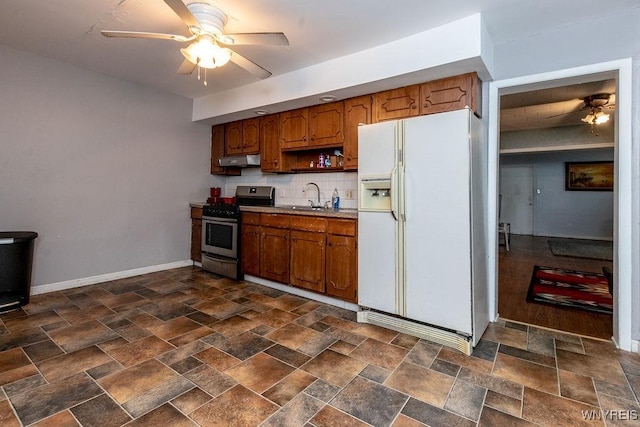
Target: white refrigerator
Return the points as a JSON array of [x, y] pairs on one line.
[[422, 255]]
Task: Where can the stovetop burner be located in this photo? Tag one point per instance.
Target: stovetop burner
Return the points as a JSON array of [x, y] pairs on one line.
[[245, 196]]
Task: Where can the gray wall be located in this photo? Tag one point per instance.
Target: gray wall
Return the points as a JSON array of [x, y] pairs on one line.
[[560, 213], [102, 169], [573, 45]]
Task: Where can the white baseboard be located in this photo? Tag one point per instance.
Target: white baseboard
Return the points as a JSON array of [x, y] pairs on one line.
[[84, 281], [635, 346], [302, 293]]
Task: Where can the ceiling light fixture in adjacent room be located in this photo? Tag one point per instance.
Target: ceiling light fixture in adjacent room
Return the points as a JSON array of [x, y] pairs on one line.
[[596, 117]]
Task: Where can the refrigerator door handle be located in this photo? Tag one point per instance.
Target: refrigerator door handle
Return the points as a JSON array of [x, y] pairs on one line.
[[394, 196], [400, 193]]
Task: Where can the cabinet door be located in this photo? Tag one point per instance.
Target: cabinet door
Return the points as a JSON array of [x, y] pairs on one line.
[[396, 103], [293, 129], [326, 125], [217, 151], [342, 266], [307, 260], [271, 158], [233, 138], [251, 136], [450, 94], [356, 111], [196, 239], [250, 249], [274, 254]]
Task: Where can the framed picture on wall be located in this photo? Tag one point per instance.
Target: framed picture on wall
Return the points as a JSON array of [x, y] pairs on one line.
[[589, 176]]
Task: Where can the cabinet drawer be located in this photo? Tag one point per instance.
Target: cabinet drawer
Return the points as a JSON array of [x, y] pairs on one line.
[[252, 218], [274, 220], [308, 223], [342, 227], [196, 213]]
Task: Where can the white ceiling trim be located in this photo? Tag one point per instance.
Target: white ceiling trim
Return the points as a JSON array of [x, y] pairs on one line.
[[454, 48]]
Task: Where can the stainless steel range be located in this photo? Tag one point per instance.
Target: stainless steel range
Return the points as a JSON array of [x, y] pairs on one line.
[[221, 232]]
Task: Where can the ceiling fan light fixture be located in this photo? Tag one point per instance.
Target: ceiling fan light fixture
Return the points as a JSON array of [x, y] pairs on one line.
[[206, 53], [601, 118], [595, 117]]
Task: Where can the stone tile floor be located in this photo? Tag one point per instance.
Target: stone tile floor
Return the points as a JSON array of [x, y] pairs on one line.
[[183, 347]]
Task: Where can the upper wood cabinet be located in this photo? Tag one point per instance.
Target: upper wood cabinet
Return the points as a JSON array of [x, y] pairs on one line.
[[326, 123], [251, 136], [217, 151], [453, 93], [242, 137], [356, 111], [294, 128], [397, 103], [233, 138], [271, 158]]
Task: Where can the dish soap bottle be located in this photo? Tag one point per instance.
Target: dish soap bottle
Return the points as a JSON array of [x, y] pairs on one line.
[[335, 199]]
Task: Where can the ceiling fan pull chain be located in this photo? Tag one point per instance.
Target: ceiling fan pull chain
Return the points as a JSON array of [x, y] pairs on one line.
[[205, 76]]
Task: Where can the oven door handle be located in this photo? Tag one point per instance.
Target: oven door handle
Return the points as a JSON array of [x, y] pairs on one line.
[[216, 219]]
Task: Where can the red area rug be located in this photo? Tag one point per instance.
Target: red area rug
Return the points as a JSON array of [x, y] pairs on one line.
[[569, 288]]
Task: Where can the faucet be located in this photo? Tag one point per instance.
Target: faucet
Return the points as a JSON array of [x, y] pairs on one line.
[[304, 189]]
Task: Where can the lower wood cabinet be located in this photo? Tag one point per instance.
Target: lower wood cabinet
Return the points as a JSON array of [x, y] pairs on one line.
[[341, 272], [307, 257], [196, 234], [313, 253], [274, 250], [250, 245]]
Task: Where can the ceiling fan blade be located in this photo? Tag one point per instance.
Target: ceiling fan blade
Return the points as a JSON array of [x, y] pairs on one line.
[[272, 39], [143, 35], [249, 65], [186, 68], [183, 12]]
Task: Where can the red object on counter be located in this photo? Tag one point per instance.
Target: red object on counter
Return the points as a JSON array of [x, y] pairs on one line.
[[215, 191]]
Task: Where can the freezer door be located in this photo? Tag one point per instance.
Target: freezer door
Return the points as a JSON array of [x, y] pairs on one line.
[[376, 148], [437, 229], [377, 228], [377, 262]]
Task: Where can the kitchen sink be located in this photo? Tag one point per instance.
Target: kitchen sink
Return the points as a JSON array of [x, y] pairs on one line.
[[307, 208]]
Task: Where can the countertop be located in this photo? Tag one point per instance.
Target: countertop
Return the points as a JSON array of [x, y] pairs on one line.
[[298, 210], [197, 204]]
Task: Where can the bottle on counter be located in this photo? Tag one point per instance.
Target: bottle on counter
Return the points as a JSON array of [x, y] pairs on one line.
[[335, 199]]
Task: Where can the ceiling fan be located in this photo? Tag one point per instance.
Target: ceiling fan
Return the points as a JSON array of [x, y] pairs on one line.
[[210, 47], [594, 105]]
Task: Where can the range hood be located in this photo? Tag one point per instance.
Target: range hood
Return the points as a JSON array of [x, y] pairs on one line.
[[240, 161]]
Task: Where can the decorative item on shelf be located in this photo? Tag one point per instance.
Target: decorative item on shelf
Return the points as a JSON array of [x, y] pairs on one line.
[[340, 158], [327, 161], [321, 160]]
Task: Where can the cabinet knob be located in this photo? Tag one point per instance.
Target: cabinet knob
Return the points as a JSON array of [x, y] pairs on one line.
[[414, 106]]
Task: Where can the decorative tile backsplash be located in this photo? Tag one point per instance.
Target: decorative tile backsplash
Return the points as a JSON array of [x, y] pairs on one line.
[[289, 186]]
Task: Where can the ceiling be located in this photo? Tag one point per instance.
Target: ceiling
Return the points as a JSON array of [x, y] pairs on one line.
[[554, 107], [318, 31]]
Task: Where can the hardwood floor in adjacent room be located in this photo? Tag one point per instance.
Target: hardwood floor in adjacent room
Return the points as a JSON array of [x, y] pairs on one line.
[[515, 269]]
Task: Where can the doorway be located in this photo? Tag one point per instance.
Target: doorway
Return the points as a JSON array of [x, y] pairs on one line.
[[621, 71]]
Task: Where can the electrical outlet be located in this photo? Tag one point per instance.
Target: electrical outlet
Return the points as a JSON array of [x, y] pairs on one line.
[[283, 193], [348, 194]]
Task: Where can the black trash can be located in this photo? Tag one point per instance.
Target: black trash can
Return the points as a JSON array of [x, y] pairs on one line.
[[16, 260]]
